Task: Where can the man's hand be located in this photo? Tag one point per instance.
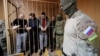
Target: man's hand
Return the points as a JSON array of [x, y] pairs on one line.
[[15, 27], [43, 29], [28, 28]]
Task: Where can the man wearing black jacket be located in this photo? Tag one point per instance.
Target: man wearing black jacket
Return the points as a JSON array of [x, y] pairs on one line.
[[33, 24], [52, 39]]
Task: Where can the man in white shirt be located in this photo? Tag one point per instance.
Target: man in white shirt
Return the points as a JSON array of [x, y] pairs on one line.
[[75, 42]]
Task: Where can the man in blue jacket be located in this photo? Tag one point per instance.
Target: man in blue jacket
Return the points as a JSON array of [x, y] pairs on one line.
[[33, 24]]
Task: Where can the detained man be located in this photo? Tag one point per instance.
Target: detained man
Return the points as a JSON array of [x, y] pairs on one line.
[[19, 24], [75, 38], [43, 25], [51, 29], [33, 35]]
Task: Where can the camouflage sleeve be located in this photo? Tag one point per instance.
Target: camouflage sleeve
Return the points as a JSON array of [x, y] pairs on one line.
[[83, 22]]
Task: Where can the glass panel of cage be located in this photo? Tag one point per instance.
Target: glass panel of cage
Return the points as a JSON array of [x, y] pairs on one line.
[[24, 27]]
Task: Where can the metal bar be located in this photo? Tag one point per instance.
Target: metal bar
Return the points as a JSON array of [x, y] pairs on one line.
[[45, 1], [15, 10], [6, 25]]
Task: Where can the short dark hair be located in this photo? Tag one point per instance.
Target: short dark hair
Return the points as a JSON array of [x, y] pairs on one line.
[[32, 14], [43, 13]]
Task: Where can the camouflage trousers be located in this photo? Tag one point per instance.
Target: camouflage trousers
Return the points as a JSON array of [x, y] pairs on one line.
[[59, 41]]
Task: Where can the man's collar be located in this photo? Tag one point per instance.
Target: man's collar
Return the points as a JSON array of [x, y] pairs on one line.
[[76, 14]]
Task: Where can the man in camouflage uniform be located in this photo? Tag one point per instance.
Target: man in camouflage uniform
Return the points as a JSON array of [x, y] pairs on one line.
[[3, 47], [59, 31], [75, 41]]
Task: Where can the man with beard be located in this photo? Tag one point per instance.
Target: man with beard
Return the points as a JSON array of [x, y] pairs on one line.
[[43, 25]]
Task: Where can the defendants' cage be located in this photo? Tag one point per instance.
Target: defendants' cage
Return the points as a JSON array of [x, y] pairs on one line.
[[13, 8], [16, 8]]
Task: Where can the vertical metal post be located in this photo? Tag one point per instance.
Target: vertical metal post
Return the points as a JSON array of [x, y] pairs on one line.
[[6, 25]]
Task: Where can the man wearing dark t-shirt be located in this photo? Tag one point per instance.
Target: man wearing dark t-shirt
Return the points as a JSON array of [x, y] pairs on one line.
[[19, 24]]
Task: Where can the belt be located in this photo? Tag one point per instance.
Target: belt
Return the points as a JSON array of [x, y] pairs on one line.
[[59, 34]]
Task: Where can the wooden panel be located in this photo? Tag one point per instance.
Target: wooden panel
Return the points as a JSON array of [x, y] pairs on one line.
[[1, 10], [19, 54], [90, 7], [38, 7], [46, 0]]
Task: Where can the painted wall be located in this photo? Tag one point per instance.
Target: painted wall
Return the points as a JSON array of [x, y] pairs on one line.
[[11, 12], [92, 8], [1, 10], [39, 7]]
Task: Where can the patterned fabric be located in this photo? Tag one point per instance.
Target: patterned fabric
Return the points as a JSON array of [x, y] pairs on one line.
[[59, 31], [59, 27], [74, 40], [59, 41]]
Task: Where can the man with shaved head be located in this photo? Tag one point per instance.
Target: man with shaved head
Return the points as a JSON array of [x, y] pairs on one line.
[[19, 24], [75, 40]]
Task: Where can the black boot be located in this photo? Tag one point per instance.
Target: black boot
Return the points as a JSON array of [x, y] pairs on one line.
[[31, 52], [44, 49], [36, 50], [41, 52], [52, 50]]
